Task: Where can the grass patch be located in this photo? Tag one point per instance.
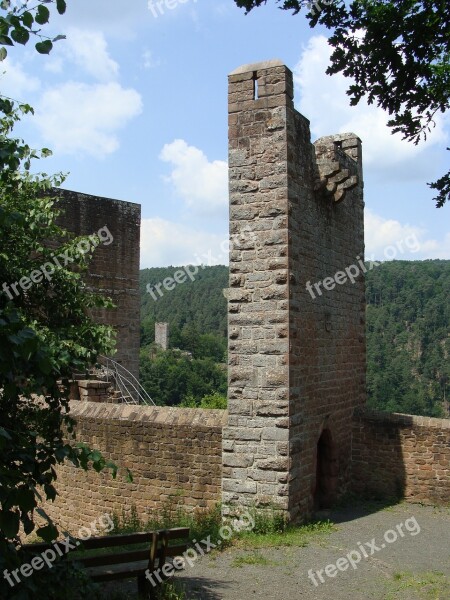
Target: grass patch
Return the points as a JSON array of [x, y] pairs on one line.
[[256, 558], [271, 528], [431, 585], [201, 523], [291, 535], [171, 590]]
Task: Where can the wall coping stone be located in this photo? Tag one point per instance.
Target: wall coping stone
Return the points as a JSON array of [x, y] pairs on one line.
[[92, 197], [259, 66], [401, 419], [149, 414], [93, 383]]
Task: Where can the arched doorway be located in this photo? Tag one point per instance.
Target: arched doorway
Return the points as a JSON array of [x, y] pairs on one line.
[[326, 472]]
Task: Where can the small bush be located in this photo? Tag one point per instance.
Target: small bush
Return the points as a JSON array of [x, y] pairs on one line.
[[215, 400]]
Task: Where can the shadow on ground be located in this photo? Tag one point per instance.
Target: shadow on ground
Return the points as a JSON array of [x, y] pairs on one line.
[[202, 588], [355, 508]]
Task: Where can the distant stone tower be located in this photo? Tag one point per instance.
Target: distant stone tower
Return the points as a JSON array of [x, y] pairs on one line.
[[296, 350], [162, 335]]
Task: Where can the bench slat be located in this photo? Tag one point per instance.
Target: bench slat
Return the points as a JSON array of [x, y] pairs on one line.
[[109, 566], [111, 559], [124, 557], [95, 543], [110, 541], [123, 571]]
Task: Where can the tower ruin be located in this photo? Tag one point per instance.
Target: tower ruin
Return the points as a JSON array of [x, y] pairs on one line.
[[296, 301]]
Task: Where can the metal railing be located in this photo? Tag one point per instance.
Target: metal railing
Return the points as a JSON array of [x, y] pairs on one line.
[[131, 391]]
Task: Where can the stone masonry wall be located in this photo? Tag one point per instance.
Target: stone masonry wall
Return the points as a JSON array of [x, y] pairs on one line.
[[173, 453], [114, 270], [296, 362], [401, 455], [327, 325]]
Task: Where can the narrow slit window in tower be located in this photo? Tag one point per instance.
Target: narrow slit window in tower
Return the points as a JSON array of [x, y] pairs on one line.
[[255, 86]]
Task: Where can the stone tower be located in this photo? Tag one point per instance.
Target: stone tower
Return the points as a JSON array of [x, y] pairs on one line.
[[162, 335], [296, 300]]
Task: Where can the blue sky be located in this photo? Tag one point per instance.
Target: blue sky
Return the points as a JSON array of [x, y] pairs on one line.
[[134, 106]]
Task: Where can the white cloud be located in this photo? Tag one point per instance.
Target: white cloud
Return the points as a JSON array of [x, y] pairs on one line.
[[164, 243], [54, 64], [324, 101], [118, 18], [202, 184], [388, 239], [80, 118], [148, 62], [89, 51], [15, 82], [75, 116]]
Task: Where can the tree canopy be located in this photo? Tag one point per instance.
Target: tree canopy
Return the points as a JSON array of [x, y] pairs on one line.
[[46, 331], [397, 52], [20, 21]]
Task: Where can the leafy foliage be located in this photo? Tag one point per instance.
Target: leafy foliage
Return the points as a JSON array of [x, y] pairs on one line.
[[398, 54], [46, 334], [20, 21], [218, 401], [172, 377], [196, 313]]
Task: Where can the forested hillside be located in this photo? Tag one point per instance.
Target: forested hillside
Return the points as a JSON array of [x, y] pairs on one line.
[[197, 313], [199, 303], [408, 339]]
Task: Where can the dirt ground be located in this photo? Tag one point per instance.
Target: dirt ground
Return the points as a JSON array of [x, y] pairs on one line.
[[408, 558]]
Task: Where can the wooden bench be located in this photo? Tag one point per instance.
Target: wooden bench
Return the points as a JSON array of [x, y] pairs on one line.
[[123, 564]]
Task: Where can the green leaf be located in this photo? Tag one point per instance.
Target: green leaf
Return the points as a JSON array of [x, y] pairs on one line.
[[9, 523], [27, 19], [45, 365], [61, 6], [21, 36], [61, 453], [42, 15], [5, 41], [96, 456], [59, 37], [44, 47], [47, 533], [3, 54], [25, 500]]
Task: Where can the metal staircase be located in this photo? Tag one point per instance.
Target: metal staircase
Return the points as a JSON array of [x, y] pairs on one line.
[[128, 389]]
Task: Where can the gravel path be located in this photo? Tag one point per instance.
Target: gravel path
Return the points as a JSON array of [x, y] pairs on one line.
[[422, 549]]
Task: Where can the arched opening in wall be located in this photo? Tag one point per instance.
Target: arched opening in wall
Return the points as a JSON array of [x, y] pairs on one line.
[[326, 472]]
